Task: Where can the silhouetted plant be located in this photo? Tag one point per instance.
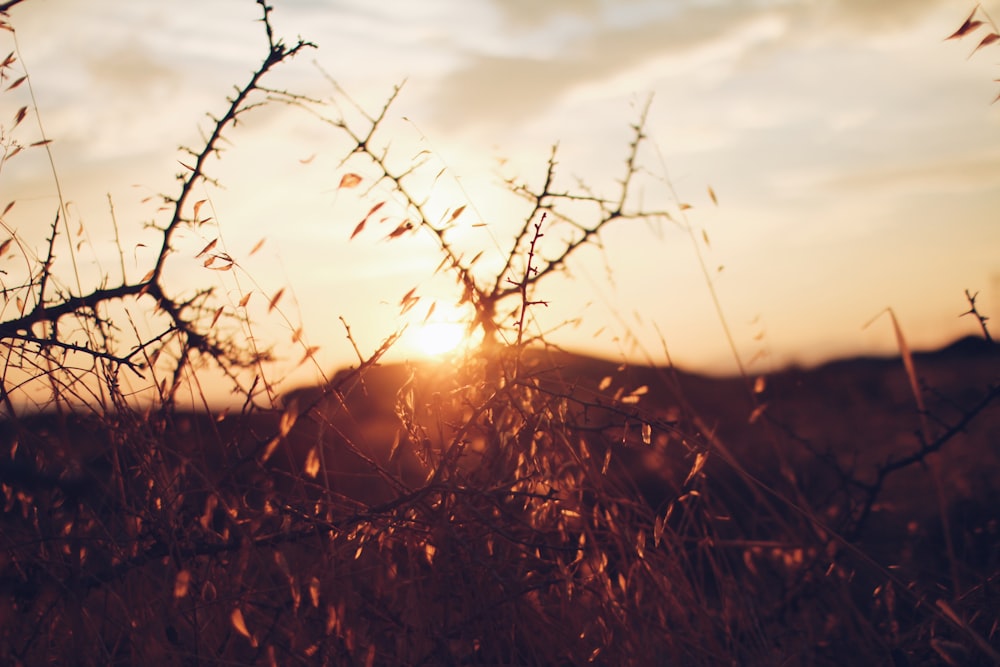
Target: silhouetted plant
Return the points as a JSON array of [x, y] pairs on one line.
[[487, 513]]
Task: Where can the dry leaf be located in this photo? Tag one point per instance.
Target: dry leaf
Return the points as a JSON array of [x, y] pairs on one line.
[[757, 412], [245, 299], [5, 246], [349, 181], [408, 297], [181, 583], [257, 247], [6, 209], [207, 248], [241, 627], [288, 418], [218, 314], [312, 463], [357, 230], [986, 41], [19, 116], [711, 195], [206, 516], [967, 27], [282, 563], [197, 207], [699, 463], [274, 300], [403, 227], [314, 591]]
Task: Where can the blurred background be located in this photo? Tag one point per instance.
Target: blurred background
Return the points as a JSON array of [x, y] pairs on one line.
[[851, 149]]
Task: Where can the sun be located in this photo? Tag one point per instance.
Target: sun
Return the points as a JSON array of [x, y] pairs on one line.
[[437, 338]]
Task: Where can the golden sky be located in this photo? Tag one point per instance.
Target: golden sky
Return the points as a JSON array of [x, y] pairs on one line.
[[853, 152]]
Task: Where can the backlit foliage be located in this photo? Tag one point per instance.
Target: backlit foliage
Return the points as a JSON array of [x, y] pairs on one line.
[[514, 507]]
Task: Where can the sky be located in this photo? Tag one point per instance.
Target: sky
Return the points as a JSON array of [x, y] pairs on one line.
[[852, 152]]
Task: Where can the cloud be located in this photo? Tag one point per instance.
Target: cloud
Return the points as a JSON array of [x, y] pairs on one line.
[[867, 16], [505, 88]]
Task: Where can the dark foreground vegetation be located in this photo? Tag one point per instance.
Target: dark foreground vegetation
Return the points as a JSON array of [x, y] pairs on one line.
[[518, 505], [395, 525]]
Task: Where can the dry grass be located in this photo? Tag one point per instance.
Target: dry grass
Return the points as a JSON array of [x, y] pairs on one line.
[[519, 507]]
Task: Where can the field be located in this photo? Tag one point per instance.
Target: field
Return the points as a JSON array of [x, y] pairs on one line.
[[512, 504], [734, 542]]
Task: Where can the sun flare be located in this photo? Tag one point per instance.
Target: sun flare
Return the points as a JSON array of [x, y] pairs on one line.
[[434, 339]]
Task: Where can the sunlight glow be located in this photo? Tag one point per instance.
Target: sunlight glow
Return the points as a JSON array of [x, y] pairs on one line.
[[437, 338]]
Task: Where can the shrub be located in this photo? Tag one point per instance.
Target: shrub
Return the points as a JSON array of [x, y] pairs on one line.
[[501, 522]]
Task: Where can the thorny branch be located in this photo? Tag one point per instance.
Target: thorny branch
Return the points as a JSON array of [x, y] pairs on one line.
[[485, 294], [975, 313], [187, 317]]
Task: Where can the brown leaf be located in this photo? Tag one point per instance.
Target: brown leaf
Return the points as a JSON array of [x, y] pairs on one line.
[[6, 209], [711, 195], [458, 211], [309, 354], [207, 248], [986, 41], [404, 227], [241, 627], [218, 314], [181, 583], [17, 83], [349, 181], [967, 27], [5, 246], [274, 299], [43, 142], [704, 235], [357, 230], [408, 296], [257, 247], [757, 412], [312, 463], [699, 463], [19, 116], [288, 418], [197, 207]]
